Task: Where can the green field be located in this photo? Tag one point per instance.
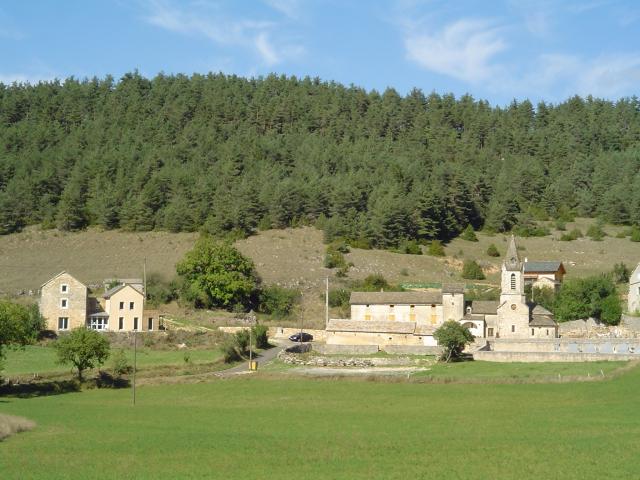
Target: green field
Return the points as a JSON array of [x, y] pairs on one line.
[[262, 427], [41, 360]]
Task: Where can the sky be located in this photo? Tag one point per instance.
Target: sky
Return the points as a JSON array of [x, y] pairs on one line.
[[494, 50]]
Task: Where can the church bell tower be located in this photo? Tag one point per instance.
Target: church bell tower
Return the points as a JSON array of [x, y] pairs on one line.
[[512, 290]]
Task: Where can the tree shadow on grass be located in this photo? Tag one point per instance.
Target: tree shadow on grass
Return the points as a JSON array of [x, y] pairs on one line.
[[38, 389]]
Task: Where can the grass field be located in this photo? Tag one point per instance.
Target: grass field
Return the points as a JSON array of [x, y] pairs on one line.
[[260, 427], [41, 360]]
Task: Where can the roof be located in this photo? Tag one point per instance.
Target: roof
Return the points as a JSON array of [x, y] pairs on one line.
[[484, 307], [59, 274], [115, 290], [540, 310], [543, 267], [473, 317], [452, 288], [99, 315], [370, 326], [512, 260], [395, 298], [542, 321]]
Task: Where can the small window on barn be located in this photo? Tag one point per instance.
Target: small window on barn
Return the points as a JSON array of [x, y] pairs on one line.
[[64, 303], [532, 332], [150, 324], [130, 305], [513, 328], [121, 305], [63, 323], [135, 323], [64, 288], [490, 332], [121, 323]]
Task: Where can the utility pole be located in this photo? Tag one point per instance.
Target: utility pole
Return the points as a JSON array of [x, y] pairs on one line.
[[326, 305], [135, 355], [301, 313]]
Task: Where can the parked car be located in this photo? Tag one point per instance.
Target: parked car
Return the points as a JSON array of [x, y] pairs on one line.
[[301, 337]]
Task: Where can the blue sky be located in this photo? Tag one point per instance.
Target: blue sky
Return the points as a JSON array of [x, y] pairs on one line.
[[536, 49]]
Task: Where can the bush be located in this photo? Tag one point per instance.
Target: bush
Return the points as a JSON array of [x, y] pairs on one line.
[[339, 297], [361, 243], [334, 258], [242, 340], [472, 271], [492, 251], [610, 310], [596, 233], [560, 225], [230, 349], [375, 282], [635, 234], [160, 292], [410, 247], [620, 273], [120, 364], [531, 231], [436, 249], [588, 297], [468, 234], [278, 301], [572, 235], [261, 336]]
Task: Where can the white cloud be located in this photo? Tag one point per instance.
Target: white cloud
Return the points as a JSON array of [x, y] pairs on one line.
[[223, 29], [290, 8], [464, 49]]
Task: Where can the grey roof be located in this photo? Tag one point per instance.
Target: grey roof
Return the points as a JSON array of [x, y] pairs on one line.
[[540, 310], [552, 266], [452, 288], [473, 317], [512, 260], [395, 298], [99, 315], [485, 307], [113, 290], [542, 321], [338, 325]]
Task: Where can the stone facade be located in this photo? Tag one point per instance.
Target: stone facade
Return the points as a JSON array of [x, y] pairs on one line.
[[513, 311], [634, 291], [63, 302]]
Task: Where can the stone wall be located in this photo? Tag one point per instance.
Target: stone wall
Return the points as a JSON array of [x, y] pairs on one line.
[[411, 349], [281, 332], [345, 349], [569, 345], [74, 292], [530, 357]]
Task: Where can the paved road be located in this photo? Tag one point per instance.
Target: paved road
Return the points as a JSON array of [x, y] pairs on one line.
[[265, 357]]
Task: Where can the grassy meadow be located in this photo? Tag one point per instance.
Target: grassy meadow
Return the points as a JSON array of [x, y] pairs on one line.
[[270, 427], [42, 360]]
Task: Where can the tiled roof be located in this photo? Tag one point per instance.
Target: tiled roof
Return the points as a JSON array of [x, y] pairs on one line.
[[485, 307], [452, 288], [542, 321], [546, 267], [395, 298]]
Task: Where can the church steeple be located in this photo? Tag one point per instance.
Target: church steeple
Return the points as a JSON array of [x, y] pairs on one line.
[[512, 260]]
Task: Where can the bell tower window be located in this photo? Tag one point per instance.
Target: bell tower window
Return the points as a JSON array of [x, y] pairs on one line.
[[513, 281]]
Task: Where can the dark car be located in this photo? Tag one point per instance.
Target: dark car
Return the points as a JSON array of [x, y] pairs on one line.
[[301, 337]]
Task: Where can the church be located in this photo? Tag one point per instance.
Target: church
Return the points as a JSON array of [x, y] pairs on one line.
[[411, 318]]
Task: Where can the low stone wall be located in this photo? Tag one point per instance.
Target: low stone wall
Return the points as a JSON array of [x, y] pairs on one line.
[[328, 349], [411, 349], [531, 357], [615, 346], [320, 361], [280, 332], [629, 328]]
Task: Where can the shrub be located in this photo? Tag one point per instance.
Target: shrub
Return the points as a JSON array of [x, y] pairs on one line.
[[230, 349], [468, 234], [610, 310], [620, 273], [339, 297], [120, 364], [560, 225], [160, 292], [635, 234], [596, 233], [242, 340], [410, 247], [436, 249], [361, 243], [278, 301], [621, 234], [472, 271], [261, 336], [572, 235], [531, 231], [492, 251], [334, 258], [375, 282]]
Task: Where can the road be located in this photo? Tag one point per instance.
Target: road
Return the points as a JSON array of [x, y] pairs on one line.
[[265, 357]]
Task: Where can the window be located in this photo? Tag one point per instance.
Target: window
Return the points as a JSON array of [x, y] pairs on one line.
[[433, 315], [532, 332], [392, 315], [367, 313], [121, 323], [547, 332], [513, 281], [513, 328], [64, 303], [412, 313], [99, 323], [121, 305], [150, 324], [135, 323], [130, 305], [63, 323], [64, 288], [490, 332]]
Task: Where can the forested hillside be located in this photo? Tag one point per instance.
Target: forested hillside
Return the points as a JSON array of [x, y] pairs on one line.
[[225, 154]]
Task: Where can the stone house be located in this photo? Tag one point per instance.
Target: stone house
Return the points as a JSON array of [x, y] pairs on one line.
[[544, 274], [633, 301], [63, 302]]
